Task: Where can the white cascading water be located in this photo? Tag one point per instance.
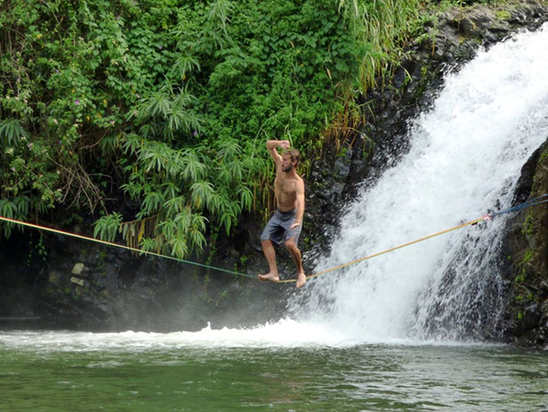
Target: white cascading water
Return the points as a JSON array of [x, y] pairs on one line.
[[465, 159]]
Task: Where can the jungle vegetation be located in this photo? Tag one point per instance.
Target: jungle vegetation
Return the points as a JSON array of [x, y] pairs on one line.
[[150, 116]]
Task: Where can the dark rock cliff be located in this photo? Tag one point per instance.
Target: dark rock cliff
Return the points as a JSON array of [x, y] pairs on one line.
[[77, 284], [524, 258]]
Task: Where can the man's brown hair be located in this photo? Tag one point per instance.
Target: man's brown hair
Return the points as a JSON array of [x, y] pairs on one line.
[[295, 155]]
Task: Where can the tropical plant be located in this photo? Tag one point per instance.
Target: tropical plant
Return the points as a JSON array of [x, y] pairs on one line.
[[166, 104]]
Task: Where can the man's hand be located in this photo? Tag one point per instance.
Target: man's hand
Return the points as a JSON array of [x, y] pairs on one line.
[[284, 144], [271, 145], [294, 225]]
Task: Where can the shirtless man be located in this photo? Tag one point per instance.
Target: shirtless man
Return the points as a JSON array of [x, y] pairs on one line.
[[286, 224]]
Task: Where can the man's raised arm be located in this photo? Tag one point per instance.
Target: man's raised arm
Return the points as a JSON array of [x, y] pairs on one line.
[[272, 145]]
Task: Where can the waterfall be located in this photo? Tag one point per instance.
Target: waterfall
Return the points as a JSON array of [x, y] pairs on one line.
[[464, 160]]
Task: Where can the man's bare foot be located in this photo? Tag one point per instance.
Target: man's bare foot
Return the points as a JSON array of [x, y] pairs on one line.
[[269, 277], [301, 280]]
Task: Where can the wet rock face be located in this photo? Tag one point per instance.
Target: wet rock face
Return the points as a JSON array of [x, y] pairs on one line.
[[524, 258], [84, 286], [19, 289]]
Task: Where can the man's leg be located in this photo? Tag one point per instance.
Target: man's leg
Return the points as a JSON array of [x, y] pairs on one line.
[[297, 258], [270, 255]]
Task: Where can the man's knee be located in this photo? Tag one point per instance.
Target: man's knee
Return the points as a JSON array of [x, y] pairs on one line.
[[290, 245], [266, 243]]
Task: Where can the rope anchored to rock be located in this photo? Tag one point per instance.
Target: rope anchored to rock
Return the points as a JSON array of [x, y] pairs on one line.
[[530, 203]]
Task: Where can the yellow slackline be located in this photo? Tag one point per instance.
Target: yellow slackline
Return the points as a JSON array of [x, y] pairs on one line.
[[104, 242], [323, 272], [472, 222]]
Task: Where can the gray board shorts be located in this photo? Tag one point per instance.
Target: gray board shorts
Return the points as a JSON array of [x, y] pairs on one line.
[[277, 228]]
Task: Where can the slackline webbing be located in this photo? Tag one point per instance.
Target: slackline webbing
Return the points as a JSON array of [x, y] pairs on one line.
[[533, 202], [104, 242], [530, 203]]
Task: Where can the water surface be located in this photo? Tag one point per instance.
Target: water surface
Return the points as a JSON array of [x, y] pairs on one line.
[[70, 371]]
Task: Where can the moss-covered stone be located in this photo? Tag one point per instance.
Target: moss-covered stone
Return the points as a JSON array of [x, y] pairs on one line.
[[527, 242]]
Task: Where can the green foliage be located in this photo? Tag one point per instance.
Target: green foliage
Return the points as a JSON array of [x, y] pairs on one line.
[[529, 226], [108, 226], [445, 4], [171, 101], [37, 250], [528, 256], [11, 133], [503, 15], [382, 27], [520, 278]]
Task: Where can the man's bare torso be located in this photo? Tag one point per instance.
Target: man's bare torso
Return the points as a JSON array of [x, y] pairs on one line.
[[285, 190]]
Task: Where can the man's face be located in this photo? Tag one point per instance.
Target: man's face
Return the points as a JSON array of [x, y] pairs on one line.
[[287, 164]]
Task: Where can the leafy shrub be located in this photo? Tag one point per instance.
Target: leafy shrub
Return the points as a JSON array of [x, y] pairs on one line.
[[171, 101]]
